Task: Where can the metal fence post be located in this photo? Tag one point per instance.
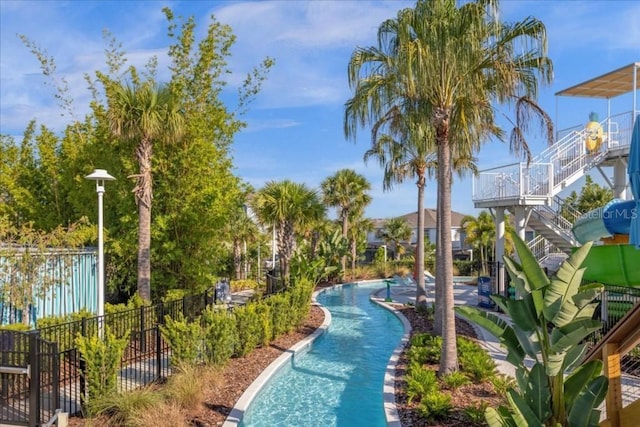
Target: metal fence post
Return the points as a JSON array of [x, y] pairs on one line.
[[143, 331], [34, 379], [158, 353], [83, 365], [55, 379]]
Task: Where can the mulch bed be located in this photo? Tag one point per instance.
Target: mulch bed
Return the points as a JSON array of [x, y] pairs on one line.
[[472, 394]]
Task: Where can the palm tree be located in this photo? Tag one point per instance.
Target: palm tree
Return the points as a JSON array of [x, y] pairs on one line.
[[410, 155], [396, 231], [346, 190], [360, 227], [454, 63], [288, 206], [144, 113], [481, 233]]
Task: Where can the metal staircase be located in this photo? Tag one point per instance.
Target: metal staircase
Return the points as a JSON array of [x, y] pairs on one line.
[[536, 185]]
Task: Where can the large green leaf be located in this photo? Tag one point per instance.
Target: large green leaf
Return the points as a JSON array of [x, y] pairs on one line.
[[574, 357], [522, 377], [583, 413], [492, 323], [521, 281], [522, 413], [555, 363], [563, 287], [528, 342], [587, 293], [579, 379], [572, 334], [522, 313], [537, 392], [537, 279], [587, 311], [500, 417]]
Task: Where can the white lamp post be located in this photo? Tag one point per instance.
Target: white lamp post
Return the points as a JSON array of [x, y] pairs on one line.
[[100, 176]]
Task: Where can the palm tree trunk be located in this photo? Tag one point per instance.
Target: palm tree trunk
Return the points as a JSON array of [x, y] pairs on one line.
[[421, 291], [285, 248], [437, 319], [237, 259], [354, 254], [449, 358], [144, 194], [345, 229]]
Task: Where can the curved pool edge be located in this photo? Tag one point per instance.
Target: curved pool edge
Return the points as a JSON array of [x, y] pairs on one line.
[[240, 408], [389, 387]]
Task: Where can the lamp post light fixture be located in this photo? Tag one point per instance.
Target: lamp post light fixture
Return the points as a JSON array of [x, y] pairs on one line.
[[100, 176]]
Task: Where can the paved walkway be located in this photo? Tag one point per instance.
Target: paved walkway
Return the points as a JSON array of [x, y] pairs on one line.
[[463, 295]]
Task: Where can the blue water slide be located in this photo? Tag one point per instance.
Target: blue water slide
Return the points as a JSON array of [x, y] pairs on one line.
[[613, 218]]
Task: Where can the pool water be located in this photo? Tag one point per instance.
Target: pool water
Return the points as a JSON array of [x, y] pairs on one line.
[[339, 381]]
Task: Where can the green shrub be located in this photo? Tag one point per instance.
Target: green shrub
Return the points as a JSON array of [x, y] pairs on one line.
[[280, 314], [185, 339], [435, 406], [174, 295], [240, 285], [474, 361], [420, 382], [220, 335], [455, 380], [20, 327], [249, 329], [502, 383], [425, 348], [264, 313], [300, 301], [465, 268], [102, 360], [475, 414]]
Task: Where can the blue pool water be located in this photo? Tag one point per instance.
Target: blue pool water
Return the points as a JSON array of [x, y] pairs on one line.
[[338, 382]]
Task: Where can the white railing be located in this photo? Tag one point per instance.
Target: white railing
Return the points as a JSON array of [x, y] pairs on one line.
[[556, 167]]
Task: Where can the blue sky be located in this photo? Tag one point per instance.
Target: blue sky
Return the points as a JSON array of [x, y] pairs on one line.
[[295, 126]]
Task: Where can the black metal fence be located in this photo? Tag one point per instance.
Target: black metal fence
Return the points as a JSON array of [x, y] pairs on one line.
[[30, 384], [613, 304], [42, 371]]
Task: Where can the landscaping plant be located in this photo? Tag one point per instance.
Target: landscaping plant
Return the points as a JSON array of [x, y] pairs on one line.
[[548, 325], [102, 360]]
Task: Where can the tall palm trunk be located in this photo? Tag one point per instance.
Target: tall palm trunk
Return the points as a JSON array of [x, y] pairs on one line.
[[144, 193], [237, 259], [448, 359], [354, 254], [437, 319], [345, 229], [285, 248], [421, 292]]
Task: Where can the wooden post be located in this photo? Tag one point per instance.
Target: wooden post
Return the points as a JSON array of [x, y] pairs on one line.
[[611, 358]]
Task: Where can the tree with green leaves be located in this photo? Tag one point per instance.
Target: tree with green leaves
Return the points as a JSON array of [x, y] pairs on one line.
[[480, 234], [549, 325], [287, 206], [592, 196], [357, 235], [347, 191], [146, 113], [456, 62], [395, 232], [194, 187]]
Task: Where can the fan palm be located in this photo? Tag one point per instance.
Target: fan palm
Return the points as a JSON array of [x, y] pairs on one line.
[[395, 232], [144, 113], [346, 190], [288, 206]]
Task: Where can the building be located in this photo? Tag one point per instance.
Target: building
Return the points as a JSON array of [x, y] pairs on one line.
[[460, 248]]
